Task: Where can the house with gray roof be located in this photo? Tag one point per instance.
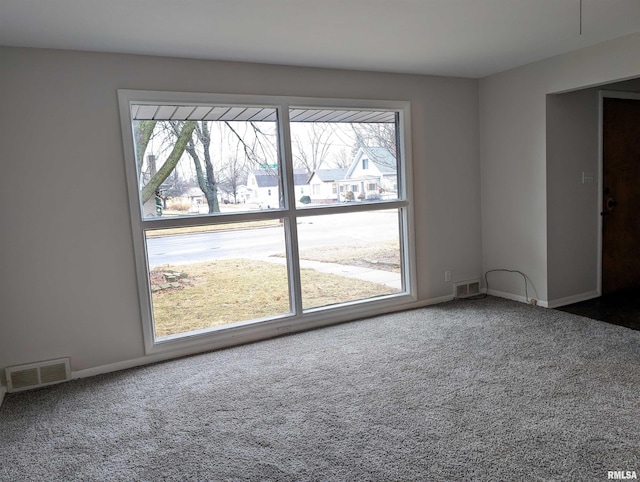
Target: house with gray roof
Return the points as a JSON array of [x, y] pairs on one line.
[[373, 174], [323, 185], [264, 186]]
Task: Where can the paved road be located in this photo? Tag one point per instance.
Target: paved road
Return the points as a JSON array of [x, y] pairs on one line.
[[262, 242], [192, 248]]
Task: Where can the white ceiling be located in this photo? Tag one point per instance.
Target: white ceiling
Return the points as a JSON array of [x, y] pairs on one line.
[[468, 38]]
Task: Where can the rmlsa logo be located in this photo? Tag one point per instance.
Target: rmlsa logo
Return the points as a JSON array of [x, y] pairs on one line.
[[622, 475]]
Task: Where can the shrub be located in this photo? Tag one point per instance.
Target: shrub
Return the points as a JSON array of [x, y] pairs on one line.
[[305, 199], [373, 196], [349, 196], [179, 204]]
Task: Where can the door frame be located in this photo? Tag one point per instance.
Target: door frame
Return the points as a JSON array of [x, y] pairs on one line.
[[602, 95]]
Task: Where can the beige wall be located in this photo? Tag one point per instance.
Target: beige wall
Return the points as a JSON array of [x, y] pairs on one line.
[[572, 206], [69, 284], [516, 178]]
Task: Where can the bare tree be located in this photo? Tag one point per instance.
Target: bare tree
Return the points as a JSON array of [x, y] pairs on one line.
[[260, 151], [311, 150], [183, 136], [342, 160], [195, 138], [381, 134], [232, 176], [206, 177], [143, 130], [174, 185], [257, 146]]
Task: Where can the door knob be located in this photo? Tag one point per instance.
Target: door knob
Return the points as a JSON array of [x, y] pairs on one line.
[[611, 203]]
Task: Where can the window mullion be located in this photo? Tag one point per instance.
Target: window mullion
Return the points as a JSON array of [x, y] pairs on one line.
[[207, 220], [290, 225]]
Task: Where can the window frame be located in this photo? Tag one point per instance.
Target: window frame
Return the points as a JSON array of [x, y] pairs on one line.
[[298, 319]]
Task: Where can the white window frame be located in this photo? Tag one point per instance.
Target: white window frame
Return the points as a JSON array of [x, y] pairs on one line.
[[298, 320]]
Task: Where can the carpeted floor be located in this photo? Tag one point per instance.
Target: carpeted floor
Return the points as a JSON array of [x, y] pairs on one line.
[[483, 390]]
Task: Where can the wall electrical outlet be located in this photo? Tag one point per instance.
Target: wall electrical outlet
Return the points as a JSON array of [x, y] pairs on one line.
[[447, 276]]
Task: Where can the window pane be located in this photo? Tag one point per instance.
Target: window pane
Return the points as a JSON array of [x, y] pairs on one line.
[[219, 276], [349, 257], [349, 156], [195, 160]]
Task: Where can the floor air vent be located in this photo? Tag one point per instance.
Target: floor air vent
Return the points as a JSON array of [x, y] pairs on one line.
[[466, 289], [34, 375]]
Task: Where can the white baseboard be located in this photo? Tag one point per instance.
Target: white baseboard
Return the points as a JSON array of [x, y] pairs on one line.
[[3, 390], [193, 350], [521, 299], [164, 356], [432, 301], [569, 300], [135, 362], [508, 296]]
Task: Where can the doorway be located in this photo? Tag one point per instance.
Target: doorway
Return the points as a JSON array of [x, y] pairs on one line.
[[620, 207]]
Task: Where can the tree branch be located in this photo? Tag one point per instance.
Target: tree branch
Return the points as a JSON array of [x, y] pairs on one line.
[[169, 165], [142, 132]]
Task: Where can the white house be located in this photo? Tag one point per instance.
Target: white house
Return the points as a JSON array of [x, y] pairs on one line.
[[197, 199], [264, 186], [372, 175], [323, 185], [245, 194]]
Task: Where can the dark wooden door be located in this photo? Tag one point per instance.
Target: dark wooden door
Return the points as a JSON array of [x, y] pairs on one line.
[[621, 195]]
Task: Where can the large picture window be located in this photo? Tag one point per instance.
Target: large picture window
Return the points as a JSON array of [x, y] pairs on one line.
[[252, 210]]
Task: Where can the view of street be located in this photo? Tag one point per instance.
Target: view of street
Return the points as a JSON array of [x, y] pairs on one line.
[[316, 231]]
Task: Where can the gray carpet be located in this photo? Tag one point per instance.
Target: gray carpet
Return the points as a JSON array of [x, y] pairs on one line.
[[482, 390]]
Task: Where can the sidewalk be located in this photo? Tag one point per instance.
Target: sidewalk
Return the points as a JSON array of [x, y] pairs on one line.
[[378, 276]]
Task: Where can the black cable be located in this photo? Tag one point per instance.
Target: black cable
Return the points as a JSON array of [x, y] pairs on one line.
[[486, 282], [524, 277]]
